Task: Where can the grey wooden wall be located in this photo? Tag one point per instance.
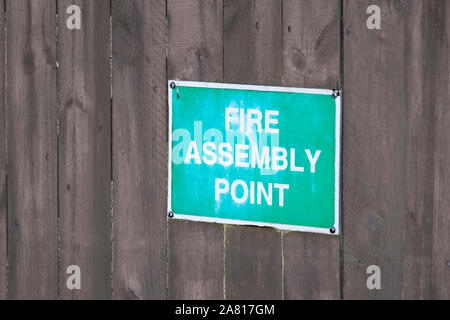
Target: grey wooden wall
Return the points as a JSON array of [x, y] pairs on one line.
[[83, 148]]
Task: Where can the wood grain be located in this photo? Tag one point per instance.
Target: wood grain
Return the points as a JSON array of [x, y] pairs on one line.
[[195, 260], [252, 42], [422, 184], [139, 149], [311, 43], [395, 142], [32, 149], [252, 54], [195, 39], [85, 149], [253, 263], [3, 193], [374, 150], [311, 58], [396, 146], [439, 94]]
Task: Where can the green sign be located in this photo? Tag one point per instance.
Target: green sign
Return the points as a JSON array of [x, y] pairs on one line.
[[254, 155]]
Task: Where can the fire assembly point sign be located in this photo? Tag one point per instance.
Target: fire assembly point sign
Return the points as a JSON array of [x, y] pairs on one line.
[[254, 155]]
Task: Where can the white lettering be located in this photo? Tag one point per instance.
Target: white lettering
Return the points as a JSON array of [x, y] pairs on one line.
[[313, 160], [192, 153]]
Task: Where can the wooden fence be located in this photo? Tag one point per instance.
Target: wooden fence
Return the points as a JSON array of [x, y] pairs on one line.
[[83, 147]]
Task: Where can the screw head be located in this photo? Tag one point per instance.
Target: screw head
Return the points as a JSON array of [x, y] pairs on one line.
[[335, 93], [332, 230], [170, 214], [172, 85]]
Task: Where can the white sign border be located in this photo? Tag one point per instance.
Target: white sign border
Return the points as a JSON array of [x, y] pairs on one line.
[[287, 227]]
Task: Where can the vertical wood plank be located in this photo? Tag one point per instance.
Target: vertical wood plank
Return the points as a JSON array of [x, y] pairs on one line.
[[252, 42], [252, 54], [425, 42], [439, 82], [85, 149], [195, 260], [253, 263], [195, 40], [139, 149], [32, 151], [395, 142], [311, 58], [195, 53], [3, 193], [374, 146], [419, 143], [311, 43]]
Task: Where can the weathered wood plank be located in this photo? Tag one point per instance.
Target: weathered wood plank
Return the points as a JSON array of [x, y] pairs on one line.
[[311, 43], [252, 54], [84, 149], [425, 99], [3, 211], [374, 146], [419, 146], [139, 149], [195, 40], [252, 263], [32, 149], [311, 58], [395, 143], [439, 94], [195, 53], [195, 260], [252, 42]]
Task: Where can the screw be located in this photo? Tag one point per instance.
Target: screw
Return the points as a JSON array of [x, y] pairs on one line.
[[332, 230], [172, 85], [170, 214], [335, 93]]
